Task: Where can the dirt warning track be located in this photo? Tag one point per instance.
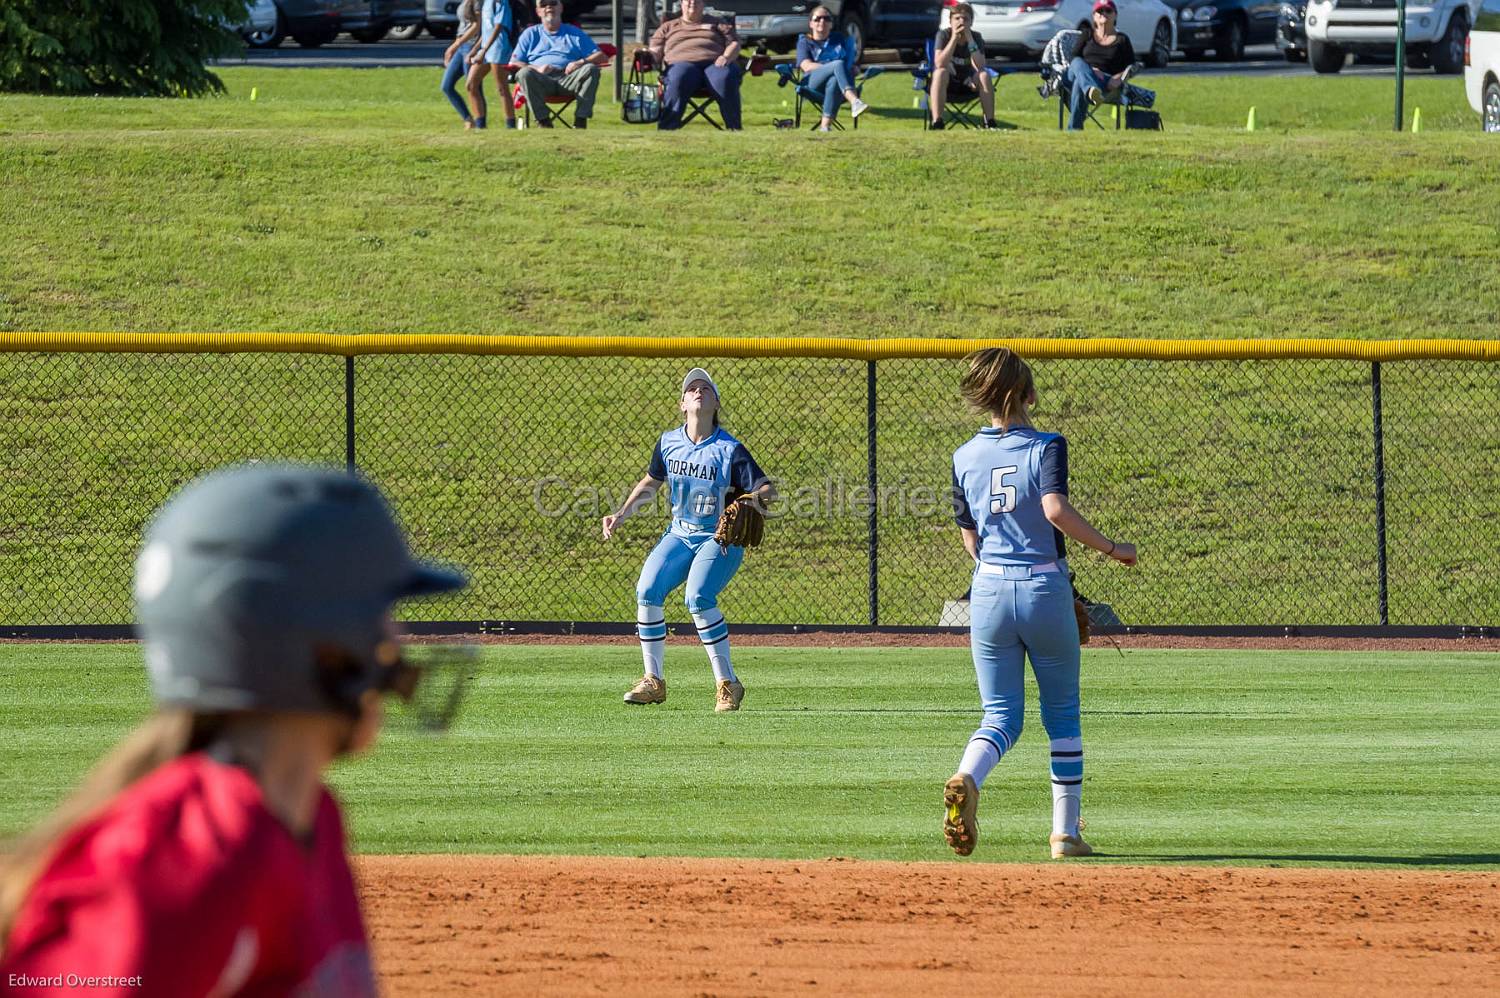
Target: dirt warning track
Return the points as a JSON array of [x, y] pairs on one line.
[[446, 925]]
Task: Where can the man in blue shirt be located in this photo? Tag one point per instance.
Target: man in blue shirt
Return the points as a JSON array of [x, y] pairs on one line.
[[556, 60]]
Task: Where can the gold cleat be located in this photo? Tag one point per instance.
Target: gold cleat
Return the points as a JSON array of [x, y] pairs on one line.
[[961, 817], [729, 695], [648, 690], [1064, 846]]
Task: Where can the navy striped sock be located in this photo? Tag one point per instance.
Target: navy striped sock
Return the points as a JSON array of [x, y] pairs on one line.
[[1067, 784]]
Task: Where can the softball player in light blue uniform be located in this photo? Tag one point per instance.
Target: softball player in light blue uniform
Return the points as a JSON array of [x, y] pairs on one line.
[[700, 463], [1010, 493]]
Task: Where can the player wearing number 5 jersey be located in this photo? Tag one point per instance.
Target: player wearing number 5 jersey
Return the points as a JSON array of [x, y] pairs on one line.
[[1010, 496], [701, 464]]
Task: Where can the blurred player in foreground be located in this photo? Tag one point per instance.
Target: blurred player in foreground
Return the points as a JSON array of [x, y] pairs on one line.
[[704, 468], [204, 855], [1010, 493]]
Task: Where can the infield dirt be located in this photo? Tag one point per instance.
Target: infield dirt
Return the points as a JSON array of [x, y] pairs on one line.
[[445, 925]]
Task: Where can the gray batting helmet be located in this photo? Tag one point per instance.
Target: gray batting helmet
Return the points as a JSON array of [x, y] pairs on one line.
[[266, 587]]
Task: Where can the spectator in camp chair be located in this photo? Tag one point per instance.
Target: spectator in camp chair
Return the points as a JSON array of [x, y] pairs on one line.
[[958, 63], [697, 52], [555, 60], [825, 60], [1102, 63]]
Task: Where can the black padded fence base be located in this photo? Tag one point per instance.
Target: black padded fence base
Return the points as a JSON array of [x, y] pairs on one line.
[[575, 628]]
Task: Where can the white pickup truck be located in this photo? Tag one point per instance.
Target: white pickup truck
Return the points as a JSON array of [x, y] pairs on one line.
[[1482, 67], [1435, 32]]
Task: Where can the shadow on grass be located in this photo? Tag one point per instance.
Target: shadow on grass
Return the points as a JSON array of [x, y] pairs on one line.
[[864, 710], [1439, 859], [976, 710], [917, 114]]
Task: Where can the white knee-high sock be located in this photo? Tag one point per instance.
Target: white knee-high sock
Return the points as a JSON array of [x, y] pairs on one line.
[[651, 627], [982, 754], [714, 633], [1067, 784]]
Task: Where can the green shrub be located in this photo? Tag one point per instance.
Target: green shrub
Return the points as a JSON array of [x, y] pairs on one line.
[[149, 48]]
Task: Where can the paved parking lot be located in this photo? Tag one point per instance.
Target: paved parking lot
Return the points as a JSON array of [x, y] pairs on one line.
[[1261, 60]]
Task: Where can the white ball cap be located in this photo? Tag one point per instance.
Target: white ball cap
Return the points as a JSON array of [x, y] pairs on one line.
[[699, 374]]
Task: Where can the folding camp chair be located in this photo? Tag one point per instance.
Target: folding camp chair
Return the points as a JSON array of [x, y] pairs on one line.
[[1129, 101], [559, 101], [790, 73], [960, 102], [700, 104]]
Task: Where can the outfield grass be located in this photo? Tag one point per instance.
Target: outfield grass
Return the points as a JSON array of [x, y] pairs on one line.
[[1255, 758], [348, 201]]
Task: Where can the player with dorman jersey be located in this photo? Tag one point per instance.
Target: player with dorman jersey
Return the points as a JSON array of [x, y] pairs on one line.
[[1010, 496], [704, 468]]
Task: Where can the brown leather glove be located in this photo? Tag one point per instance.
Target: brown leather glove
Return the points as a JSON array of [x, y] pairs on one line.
[[742, 524]]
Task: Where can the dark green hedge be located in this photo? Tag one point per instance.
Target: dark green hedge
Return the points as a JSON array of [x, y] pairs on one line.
[[147, 48]]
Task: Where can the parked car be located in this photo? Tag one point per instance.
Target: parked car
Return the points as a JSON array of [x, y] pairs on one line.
[[440, 21], [259, 23], [1226, 26], [904, 25], [1020, 29], [1291, 30], [375, 18], [1435, 32], [1482, 65], [310, 22]]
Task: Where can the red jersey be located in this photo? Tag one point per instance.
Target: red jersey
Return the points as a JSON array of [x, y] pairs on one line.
[[186, 885]]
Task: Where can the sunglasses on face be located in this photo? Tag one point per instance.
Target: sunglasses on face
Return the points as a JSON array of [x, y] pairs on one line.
[[820, 17]]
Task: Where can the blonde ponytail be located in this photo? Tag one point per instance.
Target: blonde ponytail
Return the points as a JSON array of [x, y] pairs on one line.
[[158, 740], [998, 382]]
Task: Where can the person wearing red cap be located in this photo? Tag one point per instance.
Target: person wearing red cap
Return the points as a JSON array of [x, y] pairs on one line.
[[1102, 62]]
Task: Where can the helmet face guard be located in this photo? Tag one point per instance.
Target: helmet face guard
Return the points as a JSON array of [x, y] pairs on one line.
[[269, 587], [428, 681], [436, 678]]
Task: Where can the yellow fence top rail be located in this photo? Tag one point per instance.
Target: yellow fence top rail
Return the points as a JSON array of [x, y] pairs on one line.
[[352, 345]]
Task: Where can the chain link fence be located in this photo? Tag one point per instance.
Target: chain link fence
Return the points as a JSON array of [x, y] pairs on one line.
[[1250, 486]]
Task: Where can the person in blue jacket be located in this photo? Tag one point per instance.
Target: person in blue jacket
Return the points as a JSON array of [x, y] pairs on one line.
[[702, 466], [1010, 498], [826, 58]]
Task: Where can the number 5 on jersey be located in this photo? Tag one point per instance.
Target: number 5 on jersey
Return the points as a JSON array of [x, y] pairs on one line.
[[1002, 496]]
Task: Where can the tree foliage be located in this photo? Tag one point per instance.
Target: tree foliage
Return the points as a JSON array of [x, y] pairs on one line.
[[147, 48]]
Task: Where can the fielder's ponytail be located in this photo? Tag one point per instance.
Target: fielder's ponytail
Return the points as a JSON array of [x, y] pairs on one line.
[[159, 739], [998, 382]]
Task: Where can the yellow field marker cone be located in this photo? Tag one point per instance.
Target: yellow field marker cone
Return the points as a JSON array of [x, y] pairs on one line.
[[254, 91], [1250, 120], [1416, 120]]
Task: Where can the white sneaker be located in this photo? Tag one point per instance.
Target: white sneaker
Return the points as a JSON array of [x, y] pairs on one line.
[[857, 107]]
